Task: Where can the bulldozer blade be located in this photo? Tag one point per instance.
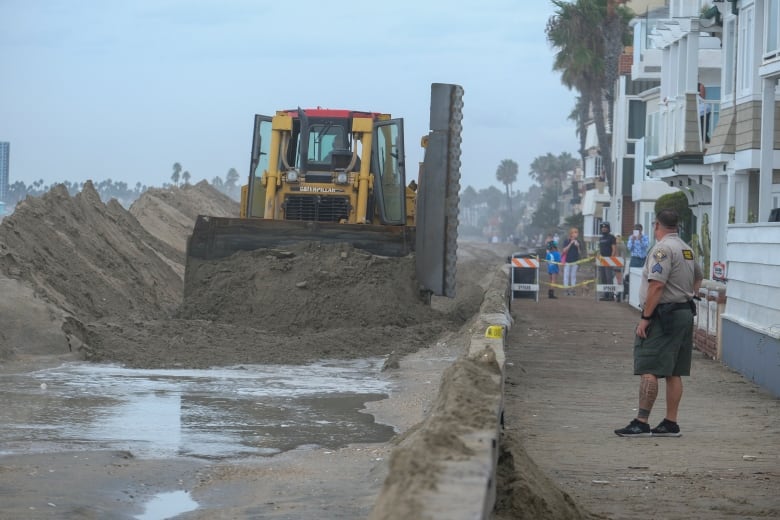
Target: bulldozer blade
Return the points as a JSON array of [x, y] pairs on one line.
[[219, 237], [438, 193]]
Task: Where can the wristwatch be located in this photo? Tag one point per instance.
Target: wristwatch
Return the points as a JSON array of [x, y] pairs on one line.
[[648, 318]]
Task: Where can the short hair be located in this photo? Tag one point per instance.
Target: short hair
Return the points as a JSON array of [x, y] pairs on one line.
[[638, 226], [668, 218]]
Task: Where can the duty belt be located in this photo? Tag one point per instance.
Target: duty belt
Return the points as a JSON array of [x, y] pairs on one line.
[[663, 312], [671, 307]]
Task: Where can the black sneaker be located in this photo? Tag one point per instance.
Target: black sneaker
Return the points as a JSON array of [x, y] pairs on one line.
[[666, 428], [635, 428]]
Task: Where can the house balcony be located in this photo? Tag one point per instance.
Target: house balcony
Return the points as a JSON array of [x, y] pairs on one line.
[[684, 129], [646, 63]]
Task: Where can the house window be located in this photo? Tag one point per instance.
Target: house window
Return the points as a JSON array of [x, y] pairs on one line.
[[651, 136], [593, 166], [772, 29], [728, 65], [746, 27], [636, 119]]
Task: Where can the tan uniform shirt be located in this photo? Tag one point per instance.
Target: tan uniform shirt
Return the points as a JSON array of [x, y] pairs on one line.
[[672, 262]]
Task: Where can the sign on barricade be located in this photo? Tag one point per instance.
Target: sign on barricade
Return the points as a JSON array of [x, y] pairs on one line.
[[608, 264], [525, 276]]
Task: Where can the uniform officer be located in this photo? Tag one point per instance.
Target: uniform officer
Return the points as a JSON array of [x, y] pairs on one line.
[[663, 344]]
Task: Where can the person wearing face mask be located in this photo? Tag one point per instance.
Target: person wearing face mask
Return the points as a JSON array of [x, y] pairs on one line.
[[638, 244]]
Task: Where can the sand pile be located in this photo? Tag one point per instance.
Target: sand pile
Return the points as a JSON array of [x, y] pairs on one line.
[[312, 286], [169, 213], [88, 258], [113, 288]]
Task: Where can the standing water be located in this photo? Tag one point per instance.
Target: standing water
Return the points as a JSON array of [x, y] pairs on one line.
[[213, 414]]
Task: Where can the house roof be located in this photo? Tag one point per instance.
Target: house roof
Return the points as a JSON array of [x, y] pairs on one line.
[[669, 161]]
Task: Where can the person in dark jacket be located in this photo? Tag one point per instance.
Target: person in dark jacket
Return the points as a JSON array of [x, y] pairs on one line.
[[607, 248]]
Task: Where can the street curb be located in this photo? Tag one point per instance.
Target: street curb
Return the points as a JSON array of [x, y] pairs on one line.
[[446, 467]]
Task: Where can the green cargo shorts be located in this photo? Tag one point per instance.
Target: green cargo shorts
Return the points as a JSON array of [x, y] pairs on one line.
[[666, 354]]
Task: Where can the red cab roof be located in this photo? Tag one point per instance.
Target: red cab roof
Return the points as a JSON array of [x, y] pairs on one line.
[[333, 113]]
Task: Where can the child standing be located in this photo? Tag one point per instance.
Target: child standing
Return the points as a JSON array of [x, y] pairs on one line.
[[553, 259]]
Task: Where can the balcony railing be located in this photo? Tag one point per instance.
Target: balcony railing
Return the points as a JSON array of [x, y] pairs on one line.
[[677, 133], [709, 113]]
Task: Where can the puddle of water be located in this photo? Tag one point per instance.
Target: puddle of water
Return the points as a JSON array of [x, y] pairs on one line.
[[168, 505], [226, 412]]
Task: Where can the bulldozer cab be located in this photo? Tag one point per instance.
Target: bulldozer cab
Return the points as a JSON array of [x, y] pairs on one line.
[[327, 166]]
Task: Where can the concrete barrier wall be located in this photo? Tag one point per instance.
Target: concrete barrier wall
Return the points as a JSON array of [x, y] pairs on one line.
[[445, 468]]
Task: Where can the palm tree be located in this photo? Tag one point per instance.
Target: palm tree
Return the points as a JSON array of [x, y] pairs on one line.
[[490, 196], [566, 163], [616, 36], [186, 177], [232, 177], [551, 172], [589, 36], [543, 169], [546, 216], [506, 173], [231, 182], [579, 115], [176, 173], [468, 197]]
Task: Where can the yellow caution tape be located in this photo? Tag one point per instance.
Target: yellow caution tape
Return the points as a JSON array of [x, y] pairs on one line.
[[561, 286], [580, 261]]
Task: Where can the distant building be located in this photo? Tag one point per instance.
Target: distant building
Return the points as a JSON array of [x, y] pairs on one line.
[[5, 153]]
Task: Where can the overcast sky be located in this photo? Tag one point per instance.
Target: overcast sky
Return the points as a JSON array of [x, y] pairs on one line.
[[119, 89]]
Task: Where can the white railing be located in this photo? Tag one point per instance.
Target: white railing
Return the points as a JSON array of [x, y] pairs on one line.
[[672, 128], [707, 122], [668, 128]]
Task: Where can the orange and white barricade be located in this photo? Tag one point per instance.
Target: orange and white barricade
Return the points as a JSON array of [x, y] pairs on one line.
[[525, 276], [615, 262]]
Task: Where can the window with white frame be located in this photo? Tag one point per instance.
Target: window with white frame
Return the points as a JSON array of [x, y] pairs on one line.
[[772, 29], [651, 135], [729, 44], [745, 65], [593, 166]]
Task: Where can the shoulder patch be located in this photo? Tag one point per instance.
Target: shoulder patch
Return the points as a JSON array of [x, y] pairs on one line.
[[657, 269], [687, 254], [659, 254]]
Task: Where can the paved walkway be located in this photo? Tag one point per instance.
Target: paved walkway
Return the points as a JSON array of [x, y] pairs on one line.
[[570, 383]]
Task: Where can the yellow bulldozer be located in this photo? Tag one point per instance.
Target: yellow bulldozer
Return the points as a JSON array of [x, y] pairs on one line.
[[330, 175]]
